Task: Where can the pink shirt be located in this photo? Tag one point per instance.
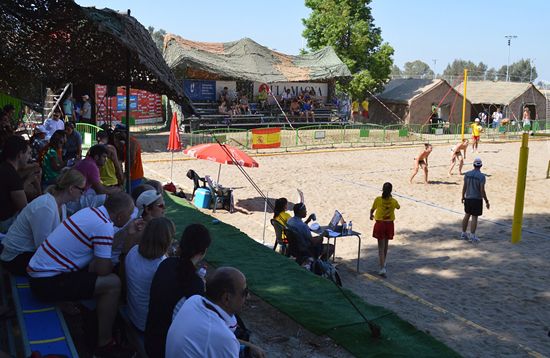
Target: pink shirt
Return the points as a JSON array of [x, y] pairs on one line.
[[90, 170]]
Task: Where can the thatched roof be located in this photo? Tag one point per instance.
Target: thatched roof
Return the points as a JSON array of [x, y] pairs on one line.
[[404, 90], [248, 60], [494, 92], [47, 43]]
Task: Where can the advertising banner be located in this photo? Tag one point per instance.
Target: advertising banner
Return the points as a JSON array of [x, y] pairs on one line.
[[199, 90]]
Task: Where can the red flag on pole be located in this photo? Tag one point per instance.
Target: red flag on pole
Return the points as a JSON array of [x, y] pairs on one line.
[[174, 141]]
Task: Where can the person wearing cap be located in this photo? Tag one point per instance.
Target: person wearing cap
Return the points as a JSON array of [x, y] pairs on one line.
[[55, 123], [111, 172], [473, 194], [72, 149], [86, 110], [476, 132]]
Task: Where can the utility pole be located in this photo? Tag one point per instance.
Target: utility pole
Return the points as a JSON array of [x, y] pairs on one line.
[[531, 69], [509, 37], [434, 61]]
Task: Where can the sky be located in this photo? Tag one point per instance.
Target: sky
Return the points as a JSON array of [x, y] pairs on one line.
[[425, 30]]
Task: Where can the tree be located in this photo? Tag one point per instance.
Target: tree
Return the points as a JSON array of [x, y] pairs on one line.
[[456, 69], [396, 71], [417, 69], [491, 74], [348, 26], [520, 71], [158, 37]]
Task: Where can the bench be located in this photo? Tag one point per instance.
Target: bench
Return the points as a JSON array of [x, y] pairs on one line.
[[43, 328]]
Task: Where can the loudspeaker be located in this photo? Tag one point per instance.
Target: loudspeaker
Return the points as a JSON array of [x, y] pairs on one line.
[[111, 91]]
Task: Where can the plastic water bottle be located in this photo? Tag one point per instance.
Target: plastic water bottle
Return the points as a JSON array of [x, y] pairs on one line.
[[350, 227], [202, 273]]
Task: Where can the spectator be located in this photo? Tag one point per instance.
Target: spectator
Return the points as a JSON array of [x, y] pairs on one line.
[[262, 97], [54, 124], [286, 98], [176, 278], [89, 167], [141, 264], [15, 154], [27, 233], [136, 166], [497, 117], [86, 110], [68, 109], [51, 159], [224, 95], [73, 146], [294, 107], [74, 263], [222, 109], [279, 211], [203, 326], [38, 141], [307, 110], [243, 104], [307, 245], [111, 172], [9, 112]]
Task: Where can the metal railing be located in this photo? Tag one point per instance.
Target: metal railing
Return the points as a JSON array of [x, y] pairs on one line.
[[323, 135]]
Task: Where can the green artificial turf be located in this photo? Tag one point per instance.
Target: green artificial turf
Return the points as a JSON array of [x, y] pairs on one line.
[[314, 302]]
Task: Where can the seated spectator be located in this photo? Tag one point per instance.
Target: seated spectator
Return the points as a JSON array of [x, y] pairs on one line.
[[74, 263], [294, 108], [51, 158], [204, 326], [262, 98], [38, 141], [27, 232], [72, 149], [176, 278], [308, 245], [222, 109], [286, 99], [224, 95], [89, 167], [307, 110], [243, 104], [110, 173], [141, 264], [279, 211], [15, 155], [53, 124]]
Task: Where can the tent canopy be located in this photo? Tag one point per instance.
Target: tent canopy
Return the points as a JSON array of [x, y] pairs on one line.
[[47, 43], [499, 92], [404, 90], [248, 60]]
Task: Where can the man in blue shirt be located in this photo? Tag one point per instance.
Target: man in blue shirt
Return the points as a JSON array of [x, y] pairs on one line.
[[306, 243]]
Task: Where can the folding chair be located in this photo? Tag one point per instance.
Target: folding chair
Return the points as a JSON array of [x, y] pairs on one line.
[[220, 195], [191, 174], [294, 249], [279, 231]]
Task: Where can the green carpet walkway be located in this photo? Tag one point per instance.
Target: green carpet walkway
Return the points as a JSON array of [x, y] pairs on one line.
[[310, 300]]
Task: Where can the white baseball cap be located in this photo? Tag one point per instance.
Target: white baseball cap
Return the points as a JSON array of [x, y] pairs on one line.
[[86, 96], [146, 198], [477, 120], [478, 162]]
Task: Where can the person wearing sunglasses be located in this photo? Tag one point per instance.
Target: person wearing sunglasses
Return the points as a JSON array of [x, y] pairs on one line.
[[53, 124], [27, 232], [205, 326]]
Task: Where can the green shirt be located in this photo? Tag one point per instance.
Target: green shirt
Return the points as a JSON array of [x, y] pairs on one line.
[[48, 173]]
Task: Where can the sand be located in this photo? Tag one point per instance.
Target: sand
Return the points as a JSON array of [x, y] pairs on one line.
[[490, 299]]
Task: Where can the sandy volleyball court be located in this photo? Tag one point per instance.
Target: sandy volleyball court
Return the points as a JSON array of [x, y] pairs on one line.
[[491, 299]]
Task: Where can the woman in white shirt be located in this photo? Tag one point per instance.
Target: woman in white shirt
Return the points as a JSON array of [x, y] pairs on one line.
[[38, 219], [141, 264]]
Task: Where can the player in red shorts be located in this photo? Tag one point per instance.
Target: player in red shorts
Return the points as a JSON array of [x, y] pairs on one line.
[[383, 211]]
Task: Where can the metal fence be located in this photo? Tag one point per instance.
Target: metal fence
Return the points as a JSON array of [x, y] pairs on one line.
[[365, 134]]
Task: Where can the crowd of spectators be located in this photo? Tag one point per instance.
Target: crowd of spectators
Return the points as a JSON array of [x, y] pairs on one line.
[[93, 241]]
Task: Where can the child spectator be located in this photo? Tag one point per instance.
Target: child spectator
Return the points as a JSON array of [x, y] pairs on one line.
[[383, 211], [51, 160], [141, 264]]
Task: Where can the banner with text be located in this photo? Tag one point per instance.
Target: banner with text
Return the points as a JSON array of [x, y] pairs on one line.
[[199, 90]]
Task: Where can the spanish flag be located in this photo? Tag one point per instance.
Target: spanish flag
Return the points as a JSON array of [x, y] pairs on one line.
[[266, 138]]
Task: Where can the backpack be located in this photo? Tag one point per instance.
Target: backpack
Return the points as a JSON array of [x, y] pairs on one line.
[[327, 270]]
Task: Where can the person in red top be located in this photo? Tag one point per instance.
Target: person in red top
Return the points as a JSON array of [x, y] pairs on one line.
[[136, 166]]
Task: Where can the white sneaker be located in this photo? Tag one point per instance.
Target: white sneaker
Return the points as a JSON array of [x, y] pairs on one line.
[[474, 239], [382, 271], [464, 236]]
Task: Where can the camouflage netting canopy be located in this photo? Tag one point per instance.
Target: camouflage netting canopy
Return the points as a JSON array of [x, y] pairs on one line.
[[47, 43], [248, 60]]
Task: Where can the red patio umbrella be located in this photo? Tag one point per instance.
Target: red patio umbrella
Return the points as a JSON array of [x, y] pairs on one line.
[[174, 141], [221, 153]]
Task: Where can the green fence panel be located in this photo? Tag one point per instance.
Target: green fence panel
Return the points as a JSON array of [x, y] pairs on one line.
[[403, 132], [364, 132]]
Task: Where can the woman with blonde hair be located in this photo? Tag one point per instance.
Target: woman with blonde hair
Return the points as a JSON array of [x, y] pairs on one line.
[[141, 264], [38, 219]]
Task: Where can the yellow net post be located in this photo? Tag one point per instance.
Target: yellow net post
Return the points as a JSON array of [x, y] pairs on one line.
[[464, 101], [520, 189]]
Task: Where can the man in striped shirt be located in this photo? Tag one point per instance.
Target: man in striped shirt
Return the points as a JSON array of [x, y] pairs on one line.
[[74, 263]]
